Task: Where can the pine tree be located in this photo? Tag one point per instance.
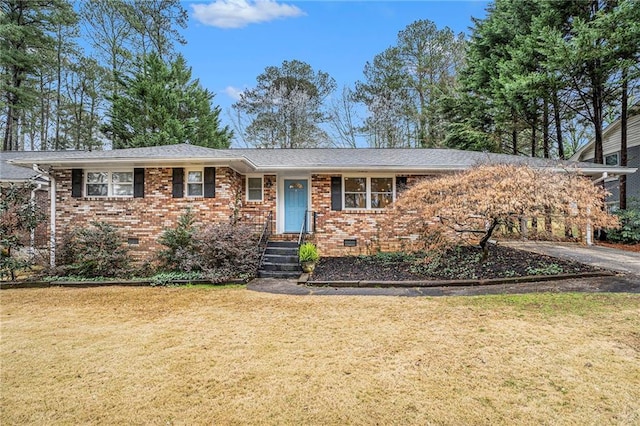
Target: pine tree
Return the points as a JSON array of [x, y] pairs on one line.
[[162, 105]]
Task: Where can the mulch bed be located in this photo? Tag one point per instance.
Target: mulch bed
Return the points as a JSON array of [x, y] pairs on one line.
[[458, 263]]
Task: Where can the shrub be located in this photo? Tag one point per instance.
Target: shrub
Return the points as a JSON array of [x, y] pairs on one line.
[[227, 251], [94, 251], [220, 252], [18, 217], [180, 252], [168, 278], [629, 230]]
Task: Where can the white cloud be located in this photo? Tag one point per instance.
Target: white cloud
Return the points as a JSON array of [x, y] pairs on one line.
[[233, 92], [240, 13]]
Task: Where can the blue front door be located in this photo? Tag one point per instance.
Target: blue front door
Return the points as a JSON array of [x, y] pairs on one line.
[[295, 204]]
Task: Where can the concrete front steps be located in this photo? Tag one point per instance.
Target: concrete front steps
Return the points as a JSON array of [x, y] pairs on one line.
[[280, 260]]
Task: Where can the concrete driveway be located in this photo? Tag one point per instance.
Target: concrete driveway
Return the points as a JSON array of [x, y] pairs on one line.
[[603, 257]]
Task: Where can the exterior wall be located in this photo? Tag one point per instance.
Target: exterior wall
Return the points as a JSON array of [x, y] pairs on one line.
[[257, 211], [633, 180], [367, 227], [611, 139], [144, 219], [611, 145], [41, 235]]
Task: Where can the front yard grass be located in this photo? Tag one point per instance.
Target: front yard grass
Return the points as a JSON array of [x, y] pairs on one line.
[[141, 355]]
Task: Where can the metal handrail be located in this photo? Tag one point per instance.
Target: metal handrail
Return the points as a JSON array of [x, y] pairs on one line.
[[265, 235], [303, 229]]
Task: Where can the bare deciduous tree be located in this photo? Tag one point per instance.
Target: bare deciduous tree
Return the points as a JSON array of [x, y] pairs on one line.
[[480, 199]]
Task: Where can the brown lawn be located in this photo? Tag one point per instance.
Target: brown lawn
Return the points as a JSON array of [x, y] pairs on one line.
[[230, 356]]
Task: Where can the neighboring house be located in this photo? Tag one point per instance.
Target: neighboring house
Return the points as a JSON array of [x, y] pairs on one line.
[[340, 195], [611, 153], [20, 175]]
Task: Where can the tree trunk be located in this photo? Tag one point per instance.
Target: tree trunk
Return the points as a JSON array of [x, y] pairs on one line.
[[534, 136], [623, 139], [548, 222], [558, 123], [597, 122], [56, 142], [545, 129], [485, 240], [514, 135], [10, 130]]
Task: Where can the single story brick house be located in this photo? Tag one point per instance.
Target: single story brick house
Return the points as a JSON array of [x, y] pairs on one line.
[[339, 195]]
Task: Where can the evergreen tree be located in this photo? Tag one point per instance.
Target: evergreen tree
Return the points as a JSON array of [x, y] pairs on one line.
[[26, 40], [405, 84], [162, 105], [536, 64]]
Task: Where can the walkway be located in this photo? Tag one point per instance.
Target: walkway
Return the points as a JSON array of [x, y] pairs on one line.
[[602, 257], [613, 284]]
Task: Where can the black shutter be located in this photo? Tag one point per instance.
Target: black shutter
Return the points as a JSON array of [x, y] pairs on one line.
[[209, 182], [76, 183], [177, 182], [401, 184], [336, 193], [138, 183]]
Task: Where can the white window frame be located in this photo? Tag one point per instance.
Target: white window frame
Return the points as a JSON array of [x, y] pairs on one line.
[[109, 183], [261, 177], [368, 190], [187, 183], [611, 155]]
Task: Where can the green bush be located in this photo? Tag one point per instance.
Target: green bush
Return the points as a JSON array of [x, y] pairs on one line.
[[180, 251], [168, 278], [629, 230], [94, 251], [219, 252]]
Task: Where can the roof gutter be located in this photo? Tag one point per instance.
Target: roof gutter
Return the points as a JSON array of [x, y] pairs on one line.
[[146, 161]]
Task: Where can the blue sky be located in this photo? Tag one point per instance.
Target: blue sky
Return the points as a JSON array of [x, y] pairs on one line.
[[231, 42]]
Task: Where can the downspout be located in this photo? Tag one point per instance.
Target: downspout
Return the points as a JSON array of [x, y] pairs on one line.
[[52, 213], [32, 233], [52, 222], [602, 178]]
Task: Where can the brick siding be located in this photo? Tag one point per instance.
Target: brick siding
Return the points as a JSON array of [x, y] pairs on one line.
[[370, 228], [144, 219]]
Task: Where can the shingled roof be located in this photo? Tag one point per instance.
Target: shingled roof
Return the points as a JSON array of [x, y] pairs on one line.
[[303, 160], [19, 173]]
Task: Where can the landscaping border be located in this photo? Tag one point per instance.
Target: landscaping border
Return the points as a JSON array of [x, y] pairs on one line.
[[304, 280], [122, 283]]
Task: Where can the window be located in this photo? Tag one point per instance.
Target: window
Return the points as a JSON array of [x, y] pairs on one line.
[[254, 188], [355, 193], [381, 192], [195, 183], [368, 192], [611, 160], [109, 184]]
